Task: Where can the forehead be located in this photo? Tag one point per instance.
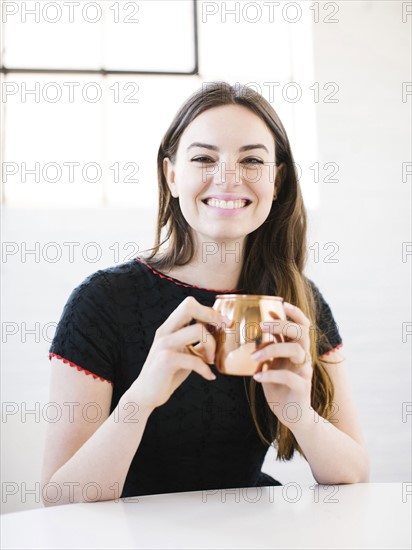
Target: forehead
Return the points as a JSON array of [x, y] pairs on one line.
[[228, 125]]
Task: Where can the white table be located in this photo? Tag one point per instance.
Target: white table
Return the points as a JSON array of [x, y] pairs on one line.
[[364, 515]]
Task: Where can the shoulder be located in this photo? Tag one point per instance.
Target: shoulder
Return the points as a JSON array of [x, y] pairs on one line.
[[119, 276], [134, 269], [311, 284], [104, 288], [121, 271], [322, 307]]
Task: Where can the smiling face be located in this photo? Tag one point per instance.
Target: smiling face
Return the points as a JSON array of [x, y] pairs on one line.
[[226, 152]]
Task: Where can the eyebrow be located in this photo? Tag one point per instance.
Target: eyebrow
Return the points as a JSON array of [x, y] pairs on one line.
[[241, 149]]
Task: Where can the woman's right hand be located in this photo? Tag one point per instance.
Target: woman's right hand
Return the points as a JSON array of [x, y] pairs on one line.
[[169, 363]]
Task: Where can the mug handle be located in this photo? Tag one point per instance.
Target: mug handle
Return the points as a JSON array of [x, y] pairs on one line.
[[194, 351]]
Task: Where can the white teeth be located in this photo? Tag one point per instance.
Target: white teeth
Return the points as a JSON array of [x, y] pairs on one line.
[[226, 204]]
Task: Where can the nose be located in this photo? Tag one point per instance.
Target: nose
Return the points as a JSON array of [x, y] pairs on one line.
[[228, 175]]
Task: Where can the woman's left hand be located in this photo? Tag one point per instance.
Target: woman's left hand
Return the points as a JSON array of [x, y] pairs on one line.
[[287, 384]]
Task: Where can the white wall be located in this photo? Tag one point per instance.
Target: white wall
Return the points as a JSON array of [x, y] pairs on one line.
[[365, 213]]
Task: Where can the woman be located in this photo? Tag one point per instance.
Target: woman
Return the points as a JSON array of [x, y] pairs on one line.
[[152, 418]]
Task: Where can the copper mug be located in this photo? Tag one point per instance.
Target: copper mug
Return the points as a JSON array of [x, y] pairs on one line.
[[236, 342]]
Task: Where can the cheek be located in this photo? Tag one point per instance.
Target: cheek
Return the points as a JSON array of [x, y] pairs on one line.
[[264, 192], [190, 206], [265, 210], [191, 181], [265, 198], [261, 180]]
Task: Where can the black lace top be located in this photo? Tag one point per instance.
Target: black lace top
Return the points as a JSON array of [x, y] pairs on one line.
[[204, 436]]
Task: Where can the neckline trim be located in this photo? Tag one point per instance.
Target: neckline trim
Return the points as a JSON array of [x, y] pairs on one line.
[[181, 283]]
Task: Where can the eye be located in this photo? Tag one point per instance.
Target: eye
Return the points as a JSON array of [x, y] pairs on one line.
[[252, 160], [202, 159]]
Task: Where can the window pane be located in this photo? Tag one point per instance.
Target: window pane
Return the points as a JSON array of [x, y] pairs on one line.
[[53, 151], [158, 36], [134, 131], [118, 35], [33, 40], [252, 43]]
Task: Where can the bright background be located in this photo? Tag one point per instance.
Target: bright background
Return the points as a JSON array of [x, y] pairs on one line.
[[359, 216]]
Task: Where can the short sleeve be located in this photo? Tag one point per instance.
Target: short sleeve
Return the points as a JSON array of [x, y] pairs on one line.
[[326, 324], [86, 335]]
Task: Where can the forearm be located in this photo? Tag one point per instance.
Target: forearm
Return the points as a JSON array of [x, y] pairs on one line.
[[333, 456], [98, 470]]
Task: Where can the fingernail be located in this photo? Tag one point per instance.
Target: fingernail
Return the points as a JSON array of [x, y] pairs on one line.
[[286, 304], [257, 376], [257, 355], [212, 376]]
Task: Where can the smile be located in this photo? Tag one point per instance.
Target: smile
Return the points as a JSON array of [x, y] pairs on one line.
[[227, 205]]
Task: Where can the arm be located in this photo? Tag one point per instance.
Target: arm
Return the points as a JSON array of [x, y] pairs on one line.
[[335, 449], [80, 452]]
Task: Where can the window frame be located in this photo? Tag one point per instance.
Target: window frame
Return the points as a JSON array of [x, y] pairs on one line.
[[103, 72]]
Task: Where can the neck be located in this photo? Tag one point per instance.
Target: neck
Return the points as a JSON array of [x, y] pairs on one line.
[[214, 265]]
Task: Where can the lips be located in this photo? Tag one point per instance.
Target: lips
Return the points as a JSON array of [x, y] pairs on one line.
[[227, 198]]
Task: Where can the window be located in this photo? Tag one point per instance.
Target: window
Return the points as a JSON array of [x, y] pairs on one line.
[[89, 88]]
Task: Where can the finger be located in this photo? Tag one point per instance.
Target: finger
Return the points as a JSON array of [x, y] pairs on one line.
[[294, 352], [274, 315], [282, 377], [296, 314], [191, 363], [191, 309], [292, 332], [191, 334]]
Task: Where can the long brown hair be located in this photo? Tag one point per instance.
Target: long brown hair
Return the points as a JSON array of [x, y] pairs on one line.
[[274, 254]]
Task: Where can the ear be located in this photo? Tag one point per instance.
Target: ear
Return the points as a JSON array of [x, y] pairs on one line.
[[169, 174]]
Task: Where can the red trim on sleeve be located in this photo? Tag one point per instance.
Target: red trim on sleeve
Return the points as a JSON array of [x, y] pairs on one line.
[[332, 350], [79, 368]]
